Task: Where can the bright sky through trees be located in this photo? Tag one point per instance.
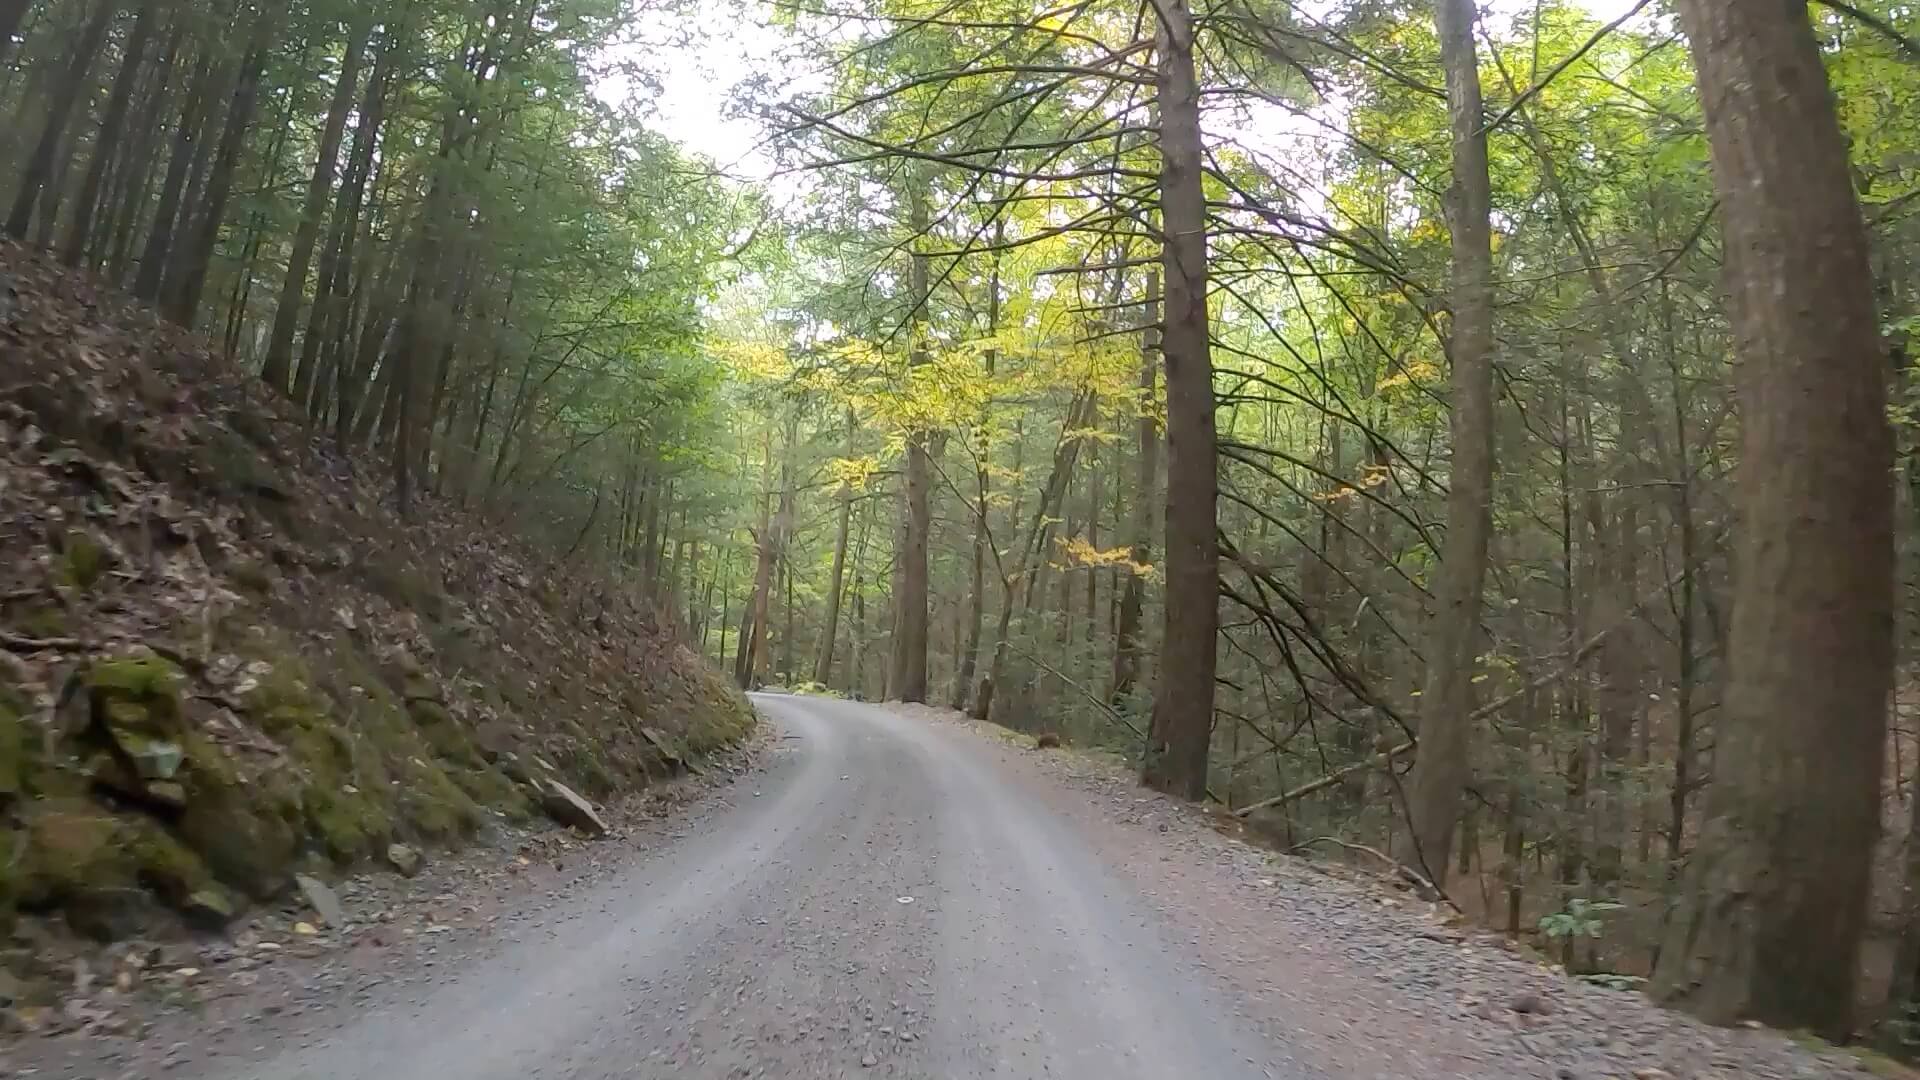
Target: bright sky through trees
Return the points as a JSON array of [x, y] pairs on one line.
[[696, 78]]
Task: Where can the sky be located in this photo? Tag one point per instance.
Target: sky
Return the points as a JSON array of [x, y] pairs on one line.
[[696, 78]]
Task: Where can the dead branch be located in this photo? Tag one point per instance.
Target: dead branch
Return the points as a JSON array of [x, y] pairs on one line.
[[1425, 889], [21, 643], [1327, 781]]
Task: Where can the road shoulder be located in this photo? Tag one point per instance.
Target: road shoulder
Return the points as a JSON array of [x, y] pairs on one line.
[[193, 1007], [1365, 979]]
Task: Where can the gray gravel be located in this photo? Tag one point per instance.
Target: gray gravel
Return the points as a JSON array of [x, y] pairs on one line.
[[1360, 979], [901, 893]]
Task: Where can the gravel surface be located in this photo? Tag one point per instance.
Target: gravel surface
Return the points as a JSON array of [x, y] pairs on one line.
[[896, 892]]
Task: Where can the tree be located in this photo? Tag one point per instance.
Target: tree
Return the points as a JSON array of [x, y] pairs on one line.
[[907, 678], [111, 132], [1182, 725], [1775, 897], [1126, 648], [278, 364], [1440, 771], [35, 184]]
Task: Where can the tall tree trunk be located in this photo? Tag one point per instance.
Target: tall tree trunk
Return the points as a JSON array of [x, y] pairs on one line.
[[107, 145], [184, 306], [1126, 649], [37, 181], [187, 138], [336, 259], [1438, 780], [907, 677], [135, 182], [1774, 903], [977, 598], [1182, 725], [823, 663], [286, 313], [764, 548]]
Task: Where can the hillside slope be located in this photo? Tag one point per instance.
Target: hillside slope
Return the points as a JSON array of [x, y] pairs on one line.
[[223, 659]]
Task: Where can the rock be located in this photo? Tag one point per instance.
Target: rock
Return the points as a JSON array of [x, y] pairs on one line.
[[154, 759], [870, 1060], [239, 828], [567, 807], [672, 757], [12, 990], [324, 901], [108, 914], [1652, 1074], [404, 860], [1531, 1004], [166, 794], [208, 909]]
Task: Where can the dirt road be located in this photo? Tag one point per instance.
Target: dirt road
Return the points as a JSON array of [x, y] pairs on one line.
[[899, 895]]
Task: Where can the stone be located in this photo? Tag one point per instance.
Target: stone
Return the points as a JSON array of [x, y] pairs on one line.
[[13, 991], [668, 754], [404, 860], [208, 909], [566, 806], [108, 914], [1531, 1004], [167, 794], [152, 758], [324, 901]]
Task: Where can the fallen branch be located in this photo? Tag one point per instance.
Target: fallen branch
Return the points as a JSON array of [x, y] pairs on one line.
[[1426, 890], [1325, 782], [21, 643]]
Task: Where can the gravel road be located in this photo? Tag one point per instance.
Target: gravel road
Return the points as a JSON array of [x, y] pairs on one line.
[[899, 894]]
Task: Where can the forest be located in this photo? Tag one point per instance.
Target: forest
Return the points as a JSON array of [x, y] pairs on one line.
[[1478, 440]]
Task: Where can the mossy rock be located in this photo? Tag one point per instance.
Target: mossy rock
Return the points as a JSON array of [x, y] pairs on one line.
[[73, 856], [443, 733], [489, 787], [83, 561], [245, 830], [433, 806], [134, 710], [163, 864], [136, 677], [719, 725], [348, 825], [137, 693], [65, 845]]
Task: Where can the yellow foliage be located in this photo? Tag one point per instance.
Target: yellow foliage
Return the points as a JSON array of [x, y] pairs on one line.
[[1410, 373], [1076, 553]]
